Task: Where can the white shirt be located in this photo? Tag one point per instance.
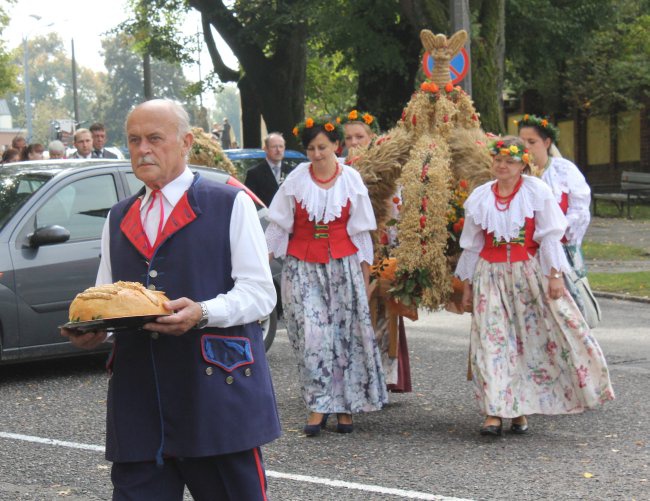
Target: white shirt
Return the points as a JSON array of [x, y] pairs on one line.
[[322, 205], [253, 296], [533, 200]]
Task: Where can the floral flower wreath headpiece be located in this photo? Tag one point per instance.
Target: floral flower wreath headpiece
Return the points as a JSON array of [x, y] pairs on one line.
[[359, 116], [534, 121], [500, 148], [326, 123]]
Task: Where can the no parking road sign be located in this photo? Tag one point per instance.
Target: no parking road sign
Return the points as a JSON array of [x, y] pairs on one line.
[[458, 66]]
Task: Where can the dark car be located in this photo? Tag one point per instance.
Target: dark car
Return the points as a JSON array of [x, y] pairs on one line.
[[245, 158], [51, 219]]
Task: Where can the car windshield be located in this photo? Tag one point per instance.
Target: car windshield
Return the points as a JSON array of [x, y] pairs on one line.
[[15, 189]]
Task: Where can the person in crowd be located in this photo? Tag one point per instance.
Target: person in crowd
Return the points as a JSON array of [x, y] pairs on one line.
[[226, 135], [19, 143], [10, 155], [531, 351], [216, 132], [83, 141], [191, 402], [98, 132], [359, 130], [321, 218], [56, 149], [569, 188], [33, 151], [265, 178]]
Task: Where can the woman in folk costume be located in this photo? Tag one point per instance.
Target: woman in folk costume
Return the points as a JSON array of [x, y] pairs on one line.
[[569, 188], [359, 131], [321, 218], [531, 351]]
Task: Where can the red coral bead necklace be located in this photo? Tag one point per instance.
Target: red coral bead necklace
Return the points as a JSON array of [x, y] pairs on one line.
[[319, 180], [502, 204]]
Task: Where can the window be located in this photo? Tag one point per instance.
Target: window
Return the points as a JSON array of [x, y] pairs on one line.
[[81, 207]]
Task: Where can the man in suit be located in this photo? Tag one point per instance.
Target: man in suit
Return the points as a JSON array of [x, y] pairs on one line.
[[83, 141], [99, 140], [190, 399], [265, 178]]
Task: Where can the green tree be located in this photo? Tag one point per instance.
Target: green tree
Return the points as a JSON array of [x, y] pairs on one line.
[[542, 36], [611, 72], [125, 83], [50, 77], [330, 85], [8, 70]]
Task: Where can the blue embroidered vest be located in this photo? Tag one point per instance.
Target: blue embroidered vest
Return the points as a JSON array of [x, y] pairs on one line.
[[206, 392]]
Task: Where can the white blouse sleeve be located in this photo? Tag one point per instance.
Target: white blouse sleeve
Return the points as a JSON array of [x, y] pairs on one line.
[[361, 222], [471, 241], [578, 214], [550, 225], [281, 214]]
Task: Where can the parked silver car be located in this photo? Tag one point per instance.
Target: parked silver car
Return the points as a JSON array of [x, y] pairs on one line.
[[51, 218]]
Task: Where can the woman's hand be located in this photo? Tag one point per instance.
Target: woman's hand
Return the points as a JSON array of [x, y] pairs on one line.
[[467, 295], [555, 287]]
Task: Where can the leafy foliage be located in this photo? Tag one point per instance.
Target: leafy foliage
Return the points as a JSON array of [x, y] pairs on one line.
[[612, 71], [541, 37]]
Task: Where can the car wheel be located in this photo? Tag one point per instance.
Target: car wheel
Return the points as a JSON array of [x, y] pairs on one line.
[[269, 326]]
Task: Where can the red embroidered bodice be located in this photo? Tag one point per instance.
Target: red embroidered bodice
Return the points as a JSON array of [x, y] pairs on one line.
[[316, 242], [518, 249]]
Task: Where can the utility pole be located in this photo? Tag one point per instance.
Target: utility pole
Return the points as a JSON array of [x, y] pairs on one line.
[[459, 17], [146, 74], [75, 97], [28, 100]]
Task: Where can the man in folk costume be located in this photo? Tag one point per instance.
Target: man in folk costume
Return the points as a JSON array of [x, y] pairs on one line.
[[190, 399]]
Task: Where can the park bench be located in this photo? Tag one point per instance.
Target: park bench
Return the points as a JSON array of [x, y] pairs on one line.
[[634, 189]]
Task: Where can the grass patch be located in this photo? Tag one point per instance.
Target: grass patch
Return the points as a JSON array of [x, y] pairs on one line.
[[612, 252], [608, 209], [635, 283]]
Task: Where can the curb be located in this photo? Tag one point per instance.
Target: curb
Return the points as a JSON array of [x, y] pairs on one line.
[[624, 297]]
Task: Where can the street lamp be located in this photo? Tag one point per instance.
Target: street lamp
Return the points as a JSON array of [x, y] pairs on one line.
[[28, 104]]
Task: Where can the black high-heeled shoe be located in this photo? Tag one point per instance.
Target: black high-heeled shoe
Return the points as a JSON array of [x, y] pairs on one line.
[[312, 430], [344, 427], [492, 430], [519, 428]]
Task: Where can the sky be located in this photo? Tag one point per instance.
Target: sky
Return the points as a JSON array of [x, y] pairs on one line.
[[87, 21]]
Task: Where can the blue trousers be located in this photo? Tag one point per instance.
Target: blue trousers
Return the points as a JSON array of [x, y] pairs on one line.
[[229, 477]]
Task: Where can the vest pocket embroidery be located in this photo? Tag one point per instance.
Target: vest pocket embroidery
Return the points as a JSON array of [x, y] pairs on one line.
[[226, 352]]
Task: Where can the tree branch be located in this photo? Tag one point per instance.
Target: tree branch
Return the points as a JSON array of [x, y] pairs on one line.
[[249, 54], [225, 73]]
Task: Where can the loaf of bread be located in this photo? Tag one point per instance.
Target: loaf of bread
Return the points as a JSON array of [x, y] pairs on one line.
[[118, 300]]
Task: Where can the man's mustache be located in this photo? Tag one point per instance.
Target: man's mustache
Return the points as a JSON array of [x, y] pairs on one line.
[[146, 160]]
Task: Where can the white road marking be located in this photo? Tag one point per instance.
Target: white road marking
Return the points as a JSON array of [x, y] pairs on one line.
[[270, 473]]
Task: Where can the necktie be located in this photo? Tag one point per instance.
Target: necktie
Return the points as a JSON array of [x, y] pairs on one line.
[[154, 219], [98, 154], [276, 172]]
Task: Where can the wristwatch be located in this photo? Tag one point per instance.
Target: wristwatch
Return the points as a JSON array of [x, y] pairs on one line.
[[204, 316], [557, 274]]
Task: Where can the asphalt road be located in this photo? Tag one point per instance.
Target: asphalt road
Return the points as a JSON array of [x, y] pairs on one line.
[[423, 445]]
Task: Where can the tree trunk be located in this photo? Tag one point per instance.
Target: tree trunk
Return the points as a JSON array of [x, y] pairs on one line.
[[250, 115], [487, 60], [275, 84]]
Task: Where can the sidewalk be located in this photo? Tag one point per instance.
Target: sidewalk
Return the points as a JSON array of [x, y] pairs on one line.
[[629, 232]]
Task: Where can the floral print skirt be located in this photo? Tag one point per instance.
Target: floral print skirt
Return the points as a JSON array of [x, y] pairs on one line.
[[328, 323], [530, 354]]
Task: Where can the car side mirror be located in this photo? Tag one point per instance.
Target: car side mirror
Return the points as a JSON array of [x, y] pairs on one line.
[[48, 235]]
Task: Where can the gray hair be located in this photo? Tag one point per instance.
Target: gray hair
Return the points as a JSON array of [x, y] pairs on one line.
[[270, 135], [183, 126], [57, 146]]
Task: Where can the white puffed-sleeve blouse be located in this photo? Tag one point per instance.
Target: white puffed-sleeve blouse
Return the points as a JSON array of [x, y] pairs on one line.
[[534, 200], [563, 176], [322, 205]]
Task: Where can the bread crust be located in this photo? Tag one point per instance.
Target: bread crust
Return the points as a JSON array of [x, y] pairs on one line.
[[118, 300]]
